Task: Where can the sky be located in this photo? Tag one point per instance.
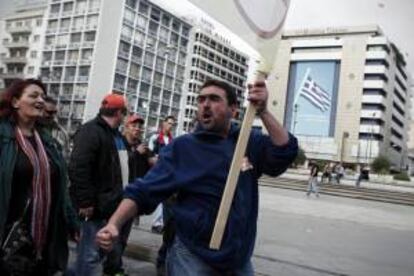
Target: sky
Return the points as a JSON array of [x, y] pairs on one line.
[[393, 16]]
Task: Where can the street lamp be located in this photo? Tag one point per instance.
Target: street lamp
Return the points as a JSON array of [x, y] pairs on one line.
[[295, 119], [371, 138]]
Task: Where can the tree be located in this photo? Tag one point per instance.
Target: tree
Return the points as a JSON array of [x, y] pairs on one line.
[[300, 158], [381, 165]]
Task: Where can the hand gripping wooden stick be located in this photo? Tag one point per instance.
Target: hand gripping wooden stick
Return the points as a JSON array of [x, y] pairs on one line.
[[231, 184]]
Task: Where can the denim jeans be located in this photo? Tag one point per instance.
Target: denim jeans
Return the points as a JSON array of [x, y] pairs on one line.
[[313, 186], [90, 256], [181, 262]]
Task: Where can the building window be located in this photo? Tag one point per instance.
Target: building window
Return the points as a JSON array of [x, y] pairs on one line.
[[75, 37], [30, 70], [129, 16], [131, 3], [64, 25], [68, 7], [166, 20], [141, 22], [52, 24], [80, 6], [54, 8], [155, 14], [90, 36], [143, 7], [134, 71], [33, 54], [87, 54], [92, 21], [139, 38], [176, 26]]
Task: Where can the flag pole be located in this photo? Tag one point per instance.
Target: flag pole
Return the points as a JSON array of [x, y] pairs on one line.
[[307, 73]]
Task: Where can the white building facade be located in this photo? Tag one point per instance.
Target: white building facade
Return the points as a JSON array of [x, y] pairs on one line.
[[132, 47], [345, 93], [21, 41], [211, 56]]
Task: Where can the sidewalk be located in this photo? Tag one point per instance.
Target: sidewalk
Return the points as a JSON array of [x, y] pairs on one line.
[[350, 180]]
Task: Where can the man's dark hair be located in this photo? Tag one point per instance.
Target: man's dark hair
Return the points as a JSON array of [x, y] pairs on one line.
[[169, 117], [51, 100], [230, 93], [110, 112]]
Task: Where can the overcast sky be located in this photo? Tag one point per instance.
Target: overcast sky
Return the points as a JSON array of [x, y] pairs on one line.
[[395, 17]]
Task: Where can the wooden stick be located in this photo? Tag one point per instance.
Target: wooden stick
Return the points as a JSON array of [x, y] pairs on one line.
[[231, 184]]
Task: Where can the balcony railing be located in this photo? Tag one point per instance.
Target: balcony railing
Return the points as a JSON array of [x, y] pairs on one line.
[[80, 97], [83, 78], [19, 29], [17, 44], [11, 75], [88, 44], [65, 97], [69, 79], [14, 60], [85, 62]]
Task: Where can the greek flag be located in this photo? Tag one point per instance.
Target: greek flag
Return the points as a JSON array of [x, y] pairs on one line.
[[315, 94]]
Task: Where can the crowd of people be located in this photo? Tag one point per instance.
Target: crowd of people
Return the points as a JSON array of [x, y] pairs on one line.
[[332, 173], [92, 189]]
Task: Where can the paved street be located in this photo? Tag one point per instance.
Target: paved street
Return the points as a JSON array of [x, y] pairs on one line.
[[315, 236], [332, 236]]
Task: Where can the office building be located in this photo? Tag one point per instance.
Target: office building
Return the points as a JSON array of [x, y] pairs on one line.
[[345, 93], [21, 41], [132, 47], [211, 56]]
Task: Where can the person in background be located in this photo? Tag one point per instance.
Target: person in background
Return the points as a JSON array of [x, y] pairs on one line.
[[140, 159], [313, 180], [363, 175], [98, 172], [327, 173], [156, 142], [49, 121], [36, 213], [340, 172], [195, 168], [163, 214]]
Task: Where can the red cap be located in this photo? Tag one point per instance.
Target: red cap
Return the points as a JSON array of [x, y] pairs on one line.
[[134, 118], [113, 101]]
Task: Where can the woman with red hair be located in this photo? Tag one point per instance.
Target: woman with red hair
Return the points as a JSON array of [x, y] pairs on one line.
[[36, 215]]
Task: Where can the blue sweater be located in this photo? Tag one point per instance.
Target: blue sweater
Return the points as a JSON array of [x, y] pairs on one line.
[[195, 166]]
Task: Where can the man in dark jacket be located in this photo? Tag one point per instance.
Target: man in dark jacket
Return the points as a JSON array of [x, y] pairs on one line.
[[195, 166], [98, 171], [140, 159]]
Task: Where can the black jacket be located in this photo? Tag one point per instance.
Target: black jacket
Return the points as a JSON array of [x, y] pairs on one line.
[[94, 169], [137, 163]]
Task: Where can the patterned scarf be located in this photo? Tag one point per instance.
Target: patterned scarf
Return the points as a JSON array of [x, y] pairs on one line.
[[161, 137], [41, 197]]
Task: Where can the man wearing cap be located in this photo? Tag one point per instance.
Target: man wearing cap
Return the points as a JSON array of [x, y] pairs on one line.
[[139, 157], [195, 167], [98, 171]]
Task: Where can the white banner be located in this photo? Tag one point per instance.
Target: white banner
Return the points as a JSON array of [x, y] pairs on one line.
[[258, 22]]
